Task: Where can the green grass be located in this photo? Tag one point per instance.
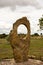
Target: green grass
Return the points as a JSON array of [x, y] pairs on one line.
[[36, 48], [5, 49]]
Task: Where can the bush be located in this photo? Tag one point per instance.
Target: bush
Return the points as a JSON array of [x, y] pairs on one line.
[[3, 35], [35, 34]]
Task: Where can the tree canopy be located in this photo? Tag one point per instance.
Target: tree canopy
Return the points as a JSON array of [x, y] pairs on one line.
[[41, 23]]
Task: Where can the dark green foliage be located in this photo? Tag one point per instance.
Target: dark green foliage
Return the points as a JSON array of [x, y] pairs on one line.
[[3, 35], [41, 23], [35, 34]]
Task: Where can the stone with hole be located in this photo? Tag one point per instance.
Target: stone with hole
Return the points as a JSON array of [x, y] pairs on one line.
[[20, 43]]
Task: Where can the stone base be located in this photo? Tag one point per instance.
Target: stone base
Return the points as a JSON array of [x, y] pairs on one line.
[[29, 62]]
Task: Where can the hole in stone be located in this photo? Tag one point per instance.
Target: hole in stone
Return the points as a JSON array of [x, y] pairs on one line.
[[22, 30]]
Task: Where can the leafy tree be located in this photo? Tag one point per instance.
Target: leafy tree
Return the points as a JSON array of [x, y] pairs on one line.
[[35, 34], [41, 23], [3, 35]]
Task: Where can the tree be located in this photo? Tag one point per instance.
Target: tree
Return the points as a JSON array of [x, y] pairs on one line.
[[3, 35], [41, 23], [35, 34]]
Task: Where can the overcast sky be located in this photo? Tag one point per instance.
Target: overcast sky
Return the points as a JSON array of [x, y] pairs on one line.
[[11, 10]]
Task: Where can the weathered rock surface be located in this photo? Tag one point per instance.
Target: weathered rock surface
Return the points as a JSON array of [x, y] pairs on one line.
[[29, 62], [20, 45]]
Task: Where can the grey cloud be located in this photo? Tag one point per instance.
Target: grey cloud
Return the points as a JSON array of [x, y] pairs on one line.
[[12, 3], [5, 30], [4, 3]]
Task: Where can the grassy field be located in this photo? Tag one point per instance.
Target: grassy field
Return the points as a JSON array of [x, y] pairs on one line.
[[36, 48]]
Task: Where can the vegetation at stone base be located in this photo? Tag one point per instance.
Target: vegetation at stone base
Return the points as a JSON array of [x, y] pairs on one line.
[[36, 48]]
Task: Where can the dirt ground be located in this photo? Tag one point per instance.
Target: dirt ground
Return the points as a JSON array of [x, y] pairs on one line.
[[29, 62]]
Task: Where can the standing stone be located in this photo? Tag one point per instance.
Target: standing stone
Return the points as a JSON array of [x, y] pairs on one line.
[[20, 45]]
